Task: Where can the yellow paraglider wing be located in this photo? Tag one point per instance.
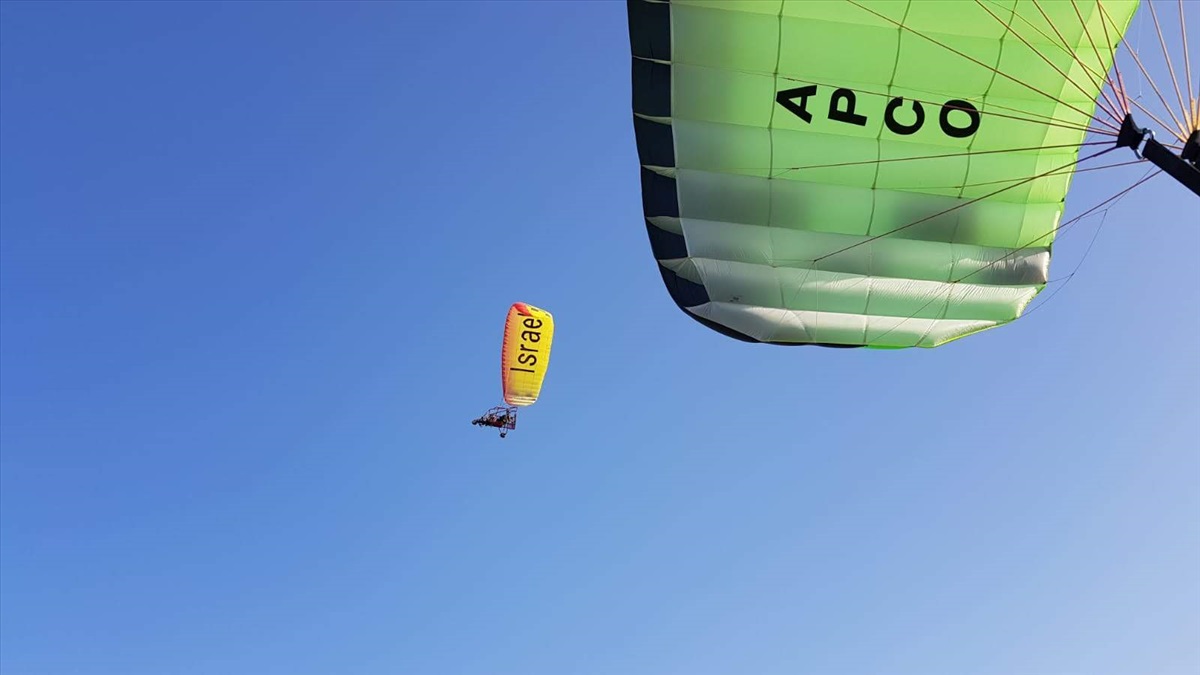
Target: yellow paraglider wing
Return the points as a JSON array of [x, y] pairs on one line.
[[528, 333]]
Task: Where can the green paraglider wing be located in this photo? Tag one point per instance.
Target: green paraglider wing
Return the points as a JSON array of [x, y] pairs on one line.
[[857, 172]]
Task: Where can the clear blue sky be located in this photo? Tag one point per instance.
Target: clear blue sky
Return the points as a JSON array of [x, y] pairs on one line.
[[255, 261]]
